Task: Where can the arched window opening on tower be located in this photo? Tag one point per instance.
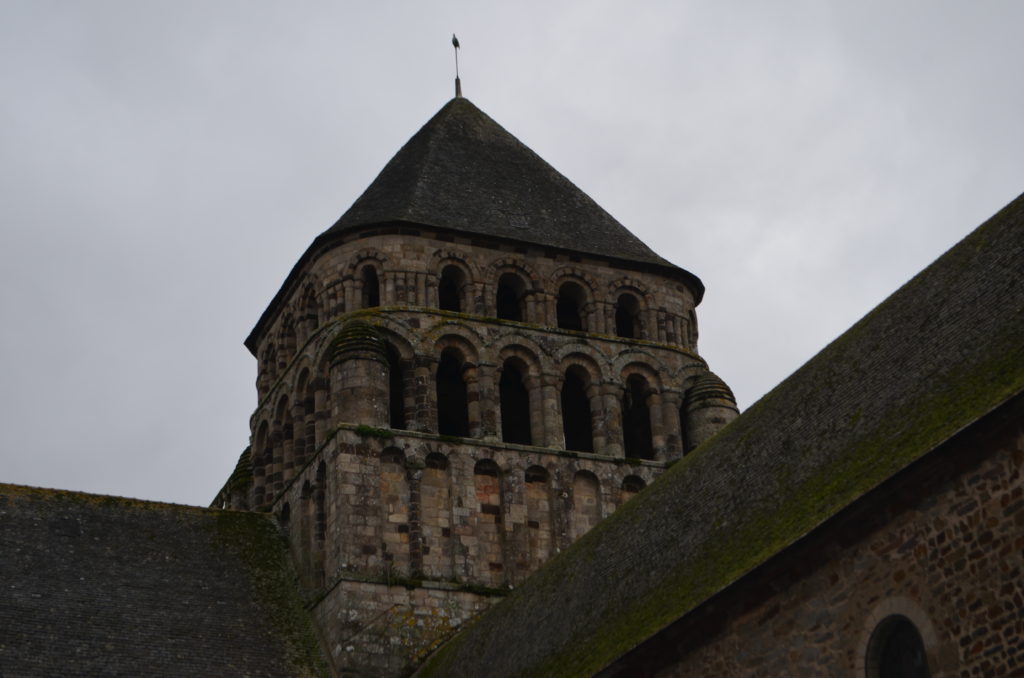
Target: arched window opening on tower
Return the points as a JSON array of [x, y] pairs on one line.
[[577, 419], [569, 308], [452, 403], [449, 289], [631, 486], [511, 293], [636, 419], [371, 287], [896, 650], [396, 389], [627, 317], [515, 404]]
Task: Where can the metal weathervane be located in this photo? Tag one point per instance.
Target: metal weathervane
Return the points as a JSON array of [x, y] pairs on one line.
[[458, 83]]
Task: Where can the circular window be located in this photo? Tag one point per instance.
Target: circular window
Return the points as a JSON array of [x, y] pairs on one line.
[[896, 650]]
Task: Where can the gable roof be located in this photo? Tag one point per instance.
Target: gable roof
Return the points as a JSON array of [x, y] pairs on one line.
[[96, 585], [938, 355], [465, 173]]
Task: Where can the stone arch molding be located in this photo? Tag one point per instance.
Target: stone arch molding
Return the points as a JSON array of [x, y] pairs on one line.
[[896, 606]]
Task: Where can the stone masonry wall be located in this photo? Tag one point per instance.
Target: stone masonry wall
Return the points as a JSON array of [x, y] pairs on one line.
[[402, 537], [439, 415], [944, 550]]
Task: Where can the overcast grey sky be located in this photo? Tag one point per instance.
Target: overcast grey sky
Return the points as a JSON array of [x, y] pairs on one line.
[[164, 164]]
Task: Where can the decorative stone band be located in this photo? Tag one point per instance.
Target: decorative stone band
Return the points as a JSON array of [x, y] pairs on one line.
[[357, 340]]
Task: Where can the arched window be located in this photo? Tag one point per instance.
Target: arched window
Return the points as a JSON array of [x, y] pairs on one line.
[[631, 486], [515, 404], [371, 287], [569, 308], [452, 403], [449, 289], [627, 317], [577, 419], [636, 419], [396, 389], [511, 290], [896, 650]]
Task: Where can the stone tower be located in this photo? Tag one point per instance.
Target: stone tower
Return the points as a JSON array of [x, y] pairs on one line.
[[461, 376]]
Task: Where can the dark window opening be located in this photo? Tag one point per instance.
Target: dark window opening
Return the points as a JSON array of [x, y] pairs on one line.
[[449, 289], [515, 406], [683, 438], [436, 460], [284, 516], [371, 287], [896, 650], [636, 419], [569, 306], [633, 484], [577, 421], [536, 474], [486, 467], [627, 317], [452, 403], [510, 297], [396, 389]]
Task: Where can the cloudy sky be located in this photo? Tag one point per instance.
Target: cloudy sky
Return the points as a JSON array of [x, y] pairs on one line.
[[163, 164]]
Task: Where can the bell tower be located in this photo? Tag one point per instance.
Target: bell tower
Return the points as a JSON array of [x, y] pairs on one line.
[[465, 373]]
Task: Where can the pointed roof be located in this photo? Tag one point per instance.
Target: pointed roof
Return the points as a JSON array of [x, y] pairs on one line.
[[465, 172]]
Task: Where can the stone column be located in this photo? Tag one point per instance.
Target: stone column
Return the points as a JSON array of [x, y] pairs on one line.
[[611, 422], [670, 403], [359, 376], [424, 372], [473, 405], [551, 409], [490, 409], [353, 299]]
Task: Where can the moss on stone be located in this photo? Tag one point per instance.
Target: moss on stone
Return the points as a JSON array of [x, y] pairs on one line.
[[364, 431], [263, 551]]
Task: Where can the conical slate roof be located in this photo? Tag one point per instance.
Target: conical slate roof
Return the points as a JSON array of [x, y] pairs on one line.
[[465, 172]]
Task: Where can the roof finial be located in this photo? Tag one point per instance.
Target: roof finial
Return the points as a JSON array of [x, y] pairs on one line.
[[458, 83]]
